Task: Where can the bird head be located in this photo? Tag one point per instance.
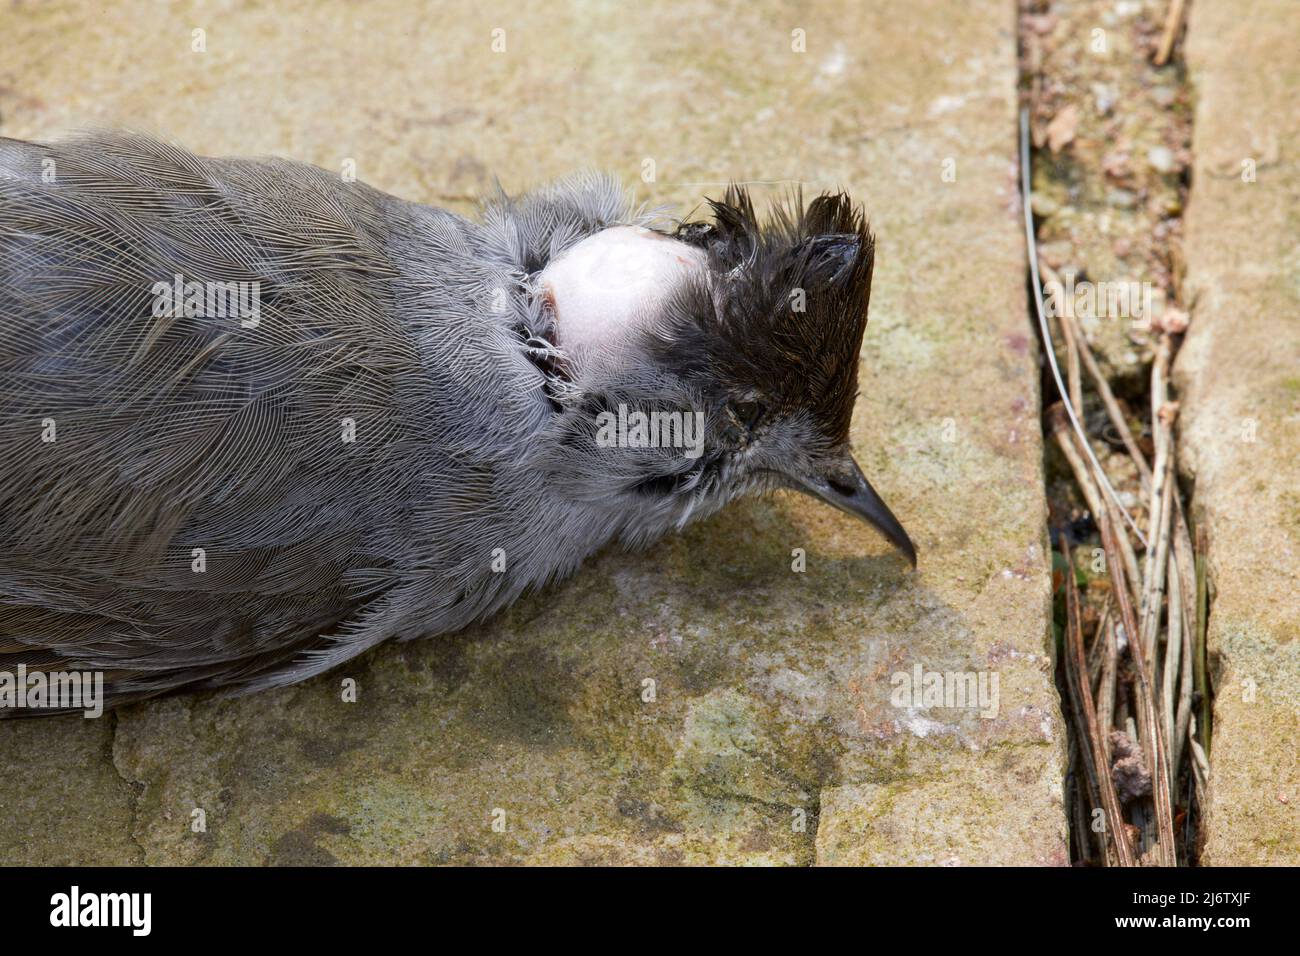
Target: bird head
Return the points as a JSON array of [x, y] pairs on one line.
[[717, 360]]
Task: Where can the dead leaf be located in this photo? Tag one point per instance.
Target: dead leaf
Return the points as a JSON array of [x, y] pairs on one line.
[[1174, 321], [1060, 131]]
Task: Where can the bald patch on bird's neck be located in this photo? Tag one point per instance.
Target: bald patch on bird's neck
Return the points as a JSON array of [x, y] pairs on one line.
[[612, 284]]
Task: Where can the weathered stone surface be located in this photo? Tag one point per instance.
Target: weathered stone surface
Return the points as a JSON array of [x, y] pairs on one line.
[[1239, 373], [935, 821], [771, 712], [61, 801]]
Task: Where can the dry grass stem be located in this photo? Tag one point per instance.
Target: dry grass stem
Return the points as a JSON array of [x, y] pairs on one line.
[[1100, 784]]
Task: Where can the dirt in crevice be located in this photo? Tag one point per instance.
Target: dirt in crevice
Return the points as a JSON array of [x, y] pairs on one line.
[[1111, 155]]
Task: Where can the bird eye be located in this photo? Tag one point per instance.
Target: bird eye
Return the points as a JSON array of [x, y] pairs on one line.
[[747, 414]]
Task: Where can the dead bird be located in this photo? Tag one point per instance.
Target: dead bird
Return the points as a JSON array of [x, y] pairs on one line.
[[255, 419]]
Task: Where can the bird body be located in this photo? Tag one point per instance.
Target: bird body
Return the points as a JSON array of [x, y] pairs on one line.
[[391, 433]]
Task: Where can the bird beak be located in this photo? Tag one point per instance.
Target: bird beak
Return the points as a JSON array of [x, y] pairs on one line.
[[840, 483]]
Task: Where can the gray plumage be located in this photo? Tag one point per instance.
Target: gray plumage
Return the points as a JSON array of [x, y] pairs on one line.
[[474, 427]]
